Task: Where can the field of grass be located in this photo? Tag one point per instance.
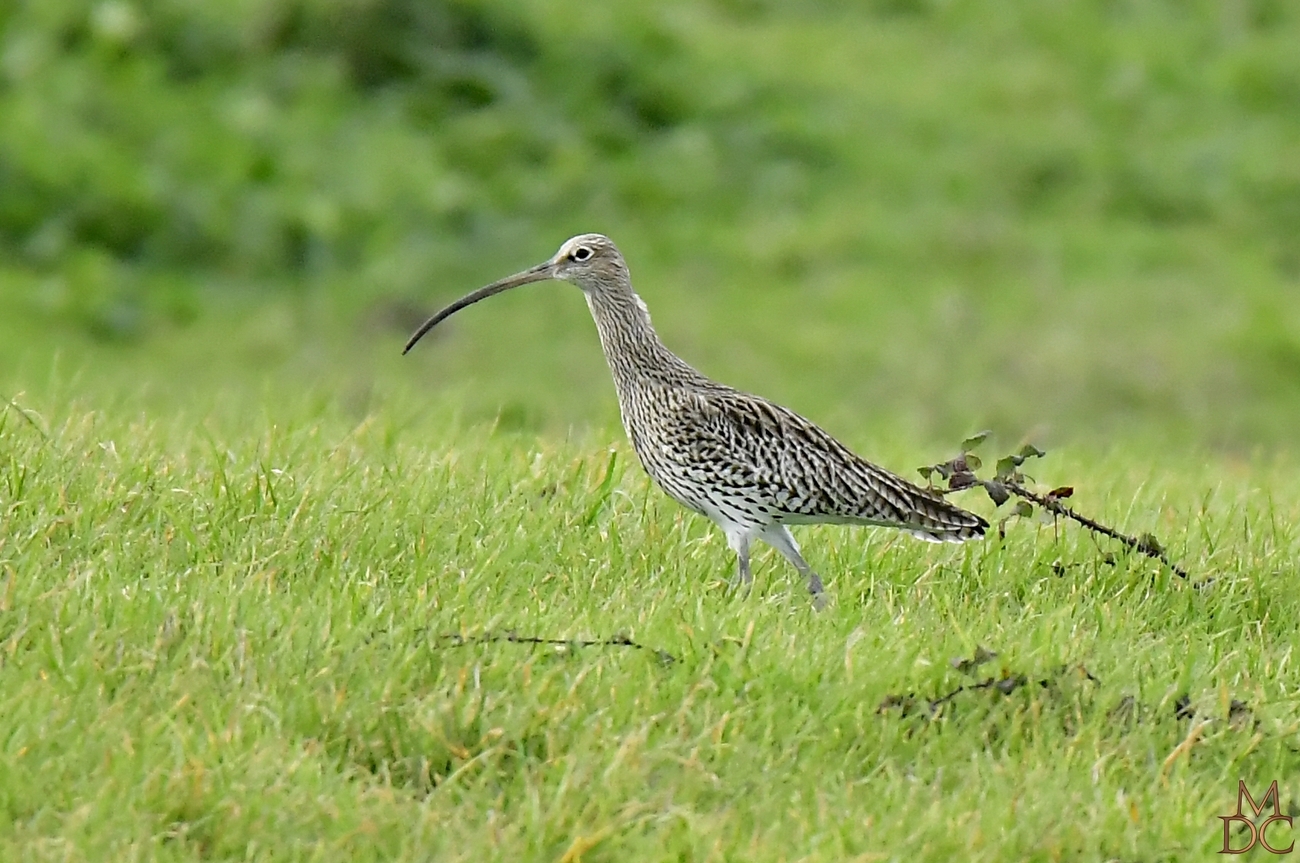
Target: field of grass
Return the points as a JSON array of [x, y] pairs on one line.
[[234, 644], [266, 585]]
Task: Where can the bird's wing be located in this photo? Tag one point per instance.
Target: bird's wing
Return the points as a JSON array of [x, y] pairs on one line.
[[807, 475]]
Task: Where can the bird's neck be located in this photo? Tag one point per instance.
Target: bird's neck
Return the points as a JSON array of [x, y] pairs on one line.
[[632, 347]]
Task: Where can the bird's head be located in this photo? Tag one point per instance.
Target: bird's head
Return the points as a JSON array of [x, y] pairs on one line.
[[590, 261]]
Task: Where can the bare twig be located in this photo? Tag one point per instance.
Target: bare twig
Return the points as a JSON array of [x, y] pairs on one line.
[[455, 640], [1145, 544], [1008, 683]]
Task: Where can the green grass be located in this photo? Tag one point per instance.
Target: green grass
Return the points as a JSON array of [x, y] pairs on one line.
[[224, 643]]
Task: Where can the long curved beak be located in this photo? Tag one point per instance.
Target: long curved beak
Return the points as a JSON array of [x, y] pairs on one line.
[[539, 273]]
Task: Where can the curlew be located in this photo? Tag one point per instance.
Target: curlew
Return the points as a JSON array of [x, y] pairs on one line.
[[750, 465]]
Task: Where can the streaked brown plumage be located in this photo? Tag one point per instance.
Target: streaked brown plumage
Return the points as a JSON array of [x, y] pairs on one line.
[[749, 464]]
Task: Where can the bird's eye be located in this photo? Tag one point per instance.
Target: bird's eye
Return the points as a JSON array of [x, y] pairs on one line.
[[581, 253]]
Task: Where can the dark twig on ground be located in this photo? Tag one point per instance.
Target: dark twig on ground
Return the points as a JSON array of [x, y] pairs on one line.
[[1239, 717], [1005, 684], [455, 640]]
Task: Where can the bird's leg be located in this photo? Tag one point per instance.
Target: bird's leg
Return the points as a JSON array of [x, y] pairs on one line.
[[739, 541], [779, 538], [743, 576]]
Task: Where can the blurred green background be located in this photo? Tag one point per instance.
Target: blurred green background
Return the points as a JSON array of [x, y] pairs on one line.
[[1070, 220]]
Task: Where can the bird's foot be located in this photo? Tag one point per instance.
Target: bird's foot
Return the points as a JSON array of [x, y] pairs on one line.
[[815, 588]]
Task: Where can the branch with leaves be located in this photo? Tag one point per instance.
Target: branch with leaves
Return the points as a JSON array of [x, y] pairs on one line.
[[1010, 481]]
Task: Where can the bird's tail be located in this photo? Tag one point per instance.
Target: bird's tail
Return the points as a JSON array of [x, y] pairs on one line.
[[936, 520]]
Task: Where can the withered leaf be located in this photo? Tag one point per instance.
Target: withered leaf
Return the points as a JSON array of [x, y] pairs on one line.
[[1239, 715], [997, 492], [891, 701], [1148, 543], [962, 479], [966, 666], [1009, 684]]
